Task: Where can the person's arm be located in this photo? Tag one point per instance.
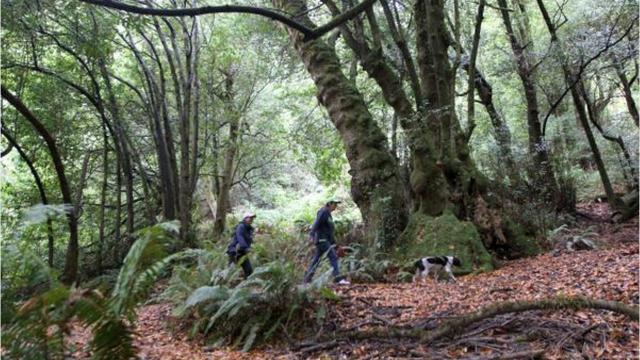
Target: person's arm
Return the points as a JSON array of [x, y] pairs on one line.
[[242, 236]]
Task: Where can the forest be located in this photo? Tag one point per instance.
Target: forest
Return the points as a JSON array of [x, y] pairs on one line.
[[205, 179]]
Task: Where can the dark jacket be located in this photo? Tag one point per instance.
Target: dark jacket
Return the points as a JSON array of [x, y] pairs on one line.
[[242, 239], [323, 227]]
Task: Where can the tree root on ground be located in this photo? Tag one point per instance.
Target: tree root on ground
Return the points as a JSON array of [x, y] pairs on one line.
[[457, 325]]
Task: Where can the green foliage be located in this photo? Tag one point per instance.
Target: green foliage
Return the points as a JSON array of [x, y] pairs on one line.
[[368, 264], [211, 297], [37, 326]]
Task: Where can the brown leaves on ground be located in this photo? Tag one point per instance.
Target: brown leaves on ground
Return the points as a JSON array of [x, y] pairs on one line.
[[610, 273]]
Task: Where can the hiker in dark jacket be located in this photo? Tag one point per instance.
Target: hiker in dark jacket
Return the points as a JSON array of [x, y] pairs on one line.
[[322, 234], [241, 244]]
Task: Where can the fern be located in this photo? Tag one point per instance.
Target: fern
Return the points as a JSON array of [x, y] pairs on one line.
[[250, 312], [40, 323]]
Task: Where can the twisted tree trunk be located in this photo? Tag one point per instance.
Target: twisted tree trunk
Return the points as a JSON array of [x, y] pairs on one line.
[[376, 186], [70, 272], [43, 195]]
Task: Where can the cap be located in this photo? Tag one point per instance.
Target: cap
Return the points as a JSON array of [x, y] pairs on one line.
[[248, 214], [333, 200]]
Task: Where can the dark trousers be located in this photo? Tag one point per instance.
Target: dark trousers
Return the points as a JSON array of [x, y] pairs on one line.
[[241, 257], [323, 247]]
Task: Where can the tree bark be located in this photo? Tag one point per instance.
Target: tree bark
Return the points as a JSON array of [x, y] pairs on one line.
[[376, 186], [70, 272], [439, 118], [426, 181]]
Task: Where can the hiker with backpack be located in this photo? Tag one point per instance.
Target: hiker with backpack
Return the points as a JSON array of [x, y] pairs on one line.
[[322, 235], [240, 245]]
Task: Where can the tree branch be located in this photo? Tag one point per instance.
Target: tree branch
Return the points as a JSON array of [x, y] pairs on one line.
[[309, 34], [577, 76]]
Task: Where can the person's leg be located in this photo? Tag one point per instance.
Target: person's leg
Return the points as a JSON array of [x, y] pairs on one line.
[[245, 263], [320, 249], [333, 259], [246, 267]]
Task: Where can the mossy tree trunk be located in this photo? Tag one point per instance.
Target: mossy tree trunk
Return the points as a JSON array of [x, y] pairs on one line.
[[376, 186]]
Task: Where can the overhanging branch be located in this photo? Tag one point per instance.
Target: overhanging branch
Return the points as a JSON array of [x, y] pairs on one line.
[[309, 34]]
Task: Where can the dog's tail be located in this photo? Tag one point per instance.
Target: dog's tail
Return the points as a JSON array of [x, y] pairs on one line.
[[419, 265]]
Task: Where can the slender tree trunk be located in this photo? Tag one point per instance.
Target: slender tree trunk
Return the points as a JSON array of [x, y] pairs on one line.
[[124, 149], [226, 178], [501, 130], [472, 72], [103, 199], [118, 215], [543, 174], [186, 195], [570, 78], [161, 130], [628, 94], [70, 272], [594, 115], [43, 195], [375, 186]]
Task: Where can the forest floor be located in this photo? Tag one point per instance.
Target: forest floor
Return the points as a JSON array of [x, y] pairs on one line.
[[608, 273]]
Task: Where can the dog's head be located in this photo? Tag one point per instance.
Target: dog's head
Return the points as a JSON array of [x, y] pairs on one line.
[[419, 265], [456, 261]]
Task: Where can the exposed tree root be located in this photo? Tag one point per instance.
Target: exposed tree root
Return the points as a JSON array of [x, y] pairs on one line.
[[457, 325]]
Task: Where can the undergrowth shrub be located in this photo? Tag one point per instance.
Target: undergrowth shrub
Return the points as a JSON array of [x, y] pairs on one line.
[[210, 298]]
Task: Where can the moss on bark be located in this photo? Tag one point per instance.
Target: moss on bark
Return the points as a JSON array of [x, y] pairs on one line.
[[444, 235]]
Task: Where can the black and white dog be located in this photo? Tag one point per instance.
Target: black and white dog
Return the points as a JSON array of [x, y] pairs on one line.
[[434, 264]]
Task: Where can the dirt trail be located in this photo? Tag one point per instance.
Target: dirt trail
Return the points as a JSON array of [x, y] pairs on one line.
[[609, 273]]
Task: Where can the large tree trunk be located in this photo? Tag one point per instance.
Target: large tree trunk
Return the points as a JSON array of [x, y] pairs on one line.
[[439, 117], [375, 185], [542, 174], [427, 184], [70, 272]]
